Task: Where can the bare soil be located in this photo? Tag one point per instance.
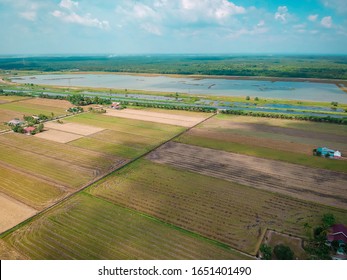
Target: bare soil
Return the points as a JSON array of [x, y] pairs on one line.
[[50, 102], [74, 128], [186, 121], [13, 212], [254, 141], [58, 136], [316, 185], [256, 127]]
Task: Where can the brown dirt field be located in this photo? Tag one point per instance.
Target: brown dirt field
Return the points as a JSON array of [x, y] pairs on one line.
[[186, 121], [9, 253], [316, 185], [254, 141], [7, 115], [58, 136], [49, 102], [256, 127], [13, 212], [74, 128]]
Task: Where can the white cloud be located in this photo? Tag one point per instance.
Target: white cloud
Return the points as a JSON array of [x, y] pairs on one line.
[[261, 23], [337, 5], [181, 14], [71, 16], [312, 17], [86, 20], [282, 14], [68, 4], [327, 22], [215, 9], [29, 15]]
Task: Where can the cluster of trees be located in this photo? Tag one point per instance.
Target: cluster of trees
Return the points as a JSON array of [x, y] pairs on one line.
[[171, 106], [81, 100], [317, 246], [286, 116], [21, 129], [75, 110], [280, 252]]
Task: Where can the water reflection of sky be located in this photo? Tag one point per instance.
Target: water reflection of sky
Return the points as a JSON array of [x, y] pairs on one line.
[[223, 87]]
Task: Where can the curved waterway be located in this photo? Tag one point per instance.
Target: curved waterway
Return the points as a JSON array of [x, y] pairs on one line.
[[219, 87]]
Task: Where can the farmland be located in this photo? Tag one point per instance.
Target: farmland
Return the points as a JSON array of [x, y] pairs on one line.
[[284, 140], [215, 189], [86, 227], [30, 107], [121, 136], [234, 214], [316, 185]]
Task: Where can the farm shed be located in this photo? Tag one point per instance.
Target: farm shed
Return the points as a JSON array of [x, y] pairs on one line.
[[326, 152], [15, 122]]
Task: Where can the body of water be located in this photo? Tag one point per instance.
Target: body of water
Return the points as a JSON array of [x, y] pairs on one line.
[[219, 87]]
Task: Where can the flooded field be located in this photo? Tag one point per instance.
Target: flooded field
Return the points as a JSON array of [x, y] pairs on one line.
[[220, 87]]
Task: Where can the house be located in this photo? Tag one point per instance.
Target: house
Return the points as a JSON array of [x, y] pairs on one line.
[[337, 233], [15, 122], [326, 152], [115, 105], [29, 130]]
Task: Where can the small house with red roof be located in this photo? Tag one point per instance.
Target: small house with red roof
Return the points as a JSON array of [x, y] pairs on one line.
[[338, 233], [29, 130]]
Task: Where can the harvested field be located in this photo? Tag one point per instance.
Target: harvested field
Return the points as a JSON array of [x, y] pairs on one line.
[[74, 128], [86, 228], [225, 211], [7, 115], [106, 146], [136, 128], [255, 129], [55, 162], [316, 185], [324, 128], [25, 107], [175, 112], [58, 136], [28, 189], [8, 253], [50, 103], [186, 121], [56, 171], [13, 212], [6, 99]]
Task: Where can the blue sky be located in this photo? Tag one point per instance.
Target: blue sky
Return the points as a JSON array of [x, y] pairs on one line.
[[181, 26]]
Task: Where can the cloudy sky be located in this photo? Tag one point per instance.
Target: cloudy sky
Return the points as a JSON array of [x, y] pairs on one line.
[[173, 26]]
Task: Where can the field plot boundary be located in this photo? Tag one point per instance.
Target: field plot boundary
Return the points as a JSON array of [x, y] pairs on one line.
[[15, 205], [171, 119], [95, 180], [275, 176]]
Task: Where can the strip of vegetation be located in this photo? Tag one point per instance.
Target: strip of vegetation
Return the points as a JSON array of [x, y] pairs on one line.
[[328, 119], [326, 67]]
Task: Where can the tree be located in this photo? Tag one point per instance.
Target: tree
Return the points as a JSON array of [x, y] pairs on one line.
[[247, 97], [283, 252], [328, 220], [266, 250]]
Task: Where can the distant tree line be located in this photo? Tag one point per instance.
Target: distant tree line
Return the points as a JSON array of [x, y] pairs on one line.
[[328, 119]]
